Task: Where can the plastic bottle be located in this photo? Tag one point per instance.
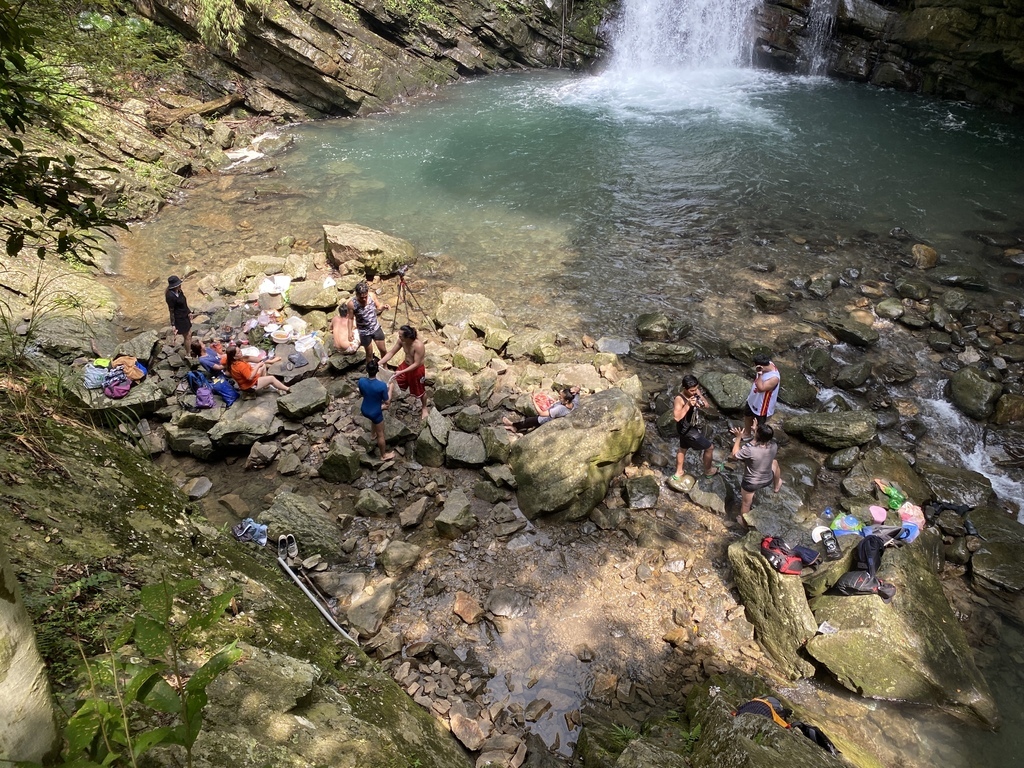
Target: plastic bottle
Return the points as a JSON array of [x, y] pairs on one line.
[[827, 516]]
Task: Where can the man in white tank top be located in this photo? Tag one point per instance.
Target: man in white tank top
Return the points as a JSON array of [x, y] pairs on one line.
[[764, 393]]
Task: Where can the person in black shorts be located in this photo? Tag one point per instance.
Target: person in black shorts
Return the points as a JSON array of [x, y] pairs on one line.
[[365, 308], [684, 408]]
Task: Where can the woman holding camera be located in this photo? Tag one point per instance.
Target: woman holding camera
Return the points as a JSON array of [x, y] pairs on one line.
[[684, 409]]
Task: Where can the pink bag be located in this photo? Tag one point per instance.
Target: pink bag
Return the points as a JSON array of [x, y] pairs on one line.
[[117, 390]]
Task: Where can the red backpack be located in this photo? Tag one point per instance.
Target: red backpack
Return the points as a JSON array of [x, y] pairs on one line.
[[781, 556]]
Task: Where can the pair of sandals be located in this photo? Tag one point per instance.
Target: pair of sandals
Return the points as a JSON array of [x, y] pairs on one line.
[[287, 547]]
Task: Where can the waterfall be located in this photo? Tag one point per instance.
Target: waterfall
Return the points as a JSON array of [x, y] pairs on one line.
[[682, 34], [820, 19]]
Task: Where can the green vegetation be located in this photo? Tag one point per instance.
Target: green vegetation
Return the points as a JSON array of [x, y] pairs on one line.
[[146, 695], [423, 13], [220, 21]]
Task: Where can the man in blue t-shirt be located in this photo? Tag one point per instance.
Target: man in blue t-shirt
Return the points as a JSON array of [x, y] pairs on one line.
[[375, 400]]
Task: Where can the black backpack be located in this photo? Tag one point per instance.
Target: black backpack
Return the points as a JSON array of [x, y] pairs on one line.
[[815, 734], [868, 555], [863, 583]]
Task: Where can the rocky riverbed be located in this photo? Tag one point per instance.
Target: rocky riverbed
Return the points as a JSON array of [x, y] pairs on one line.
[[608, 611]]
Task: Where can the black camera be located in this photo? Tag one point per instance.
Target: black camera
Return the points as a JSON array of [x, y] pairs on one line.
[[402, 270]]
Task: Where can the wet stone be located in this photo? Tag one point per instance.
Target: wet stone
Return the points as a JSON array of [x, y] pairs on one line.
[[372, 504], [197, 488], [913, 288], [890, 309], [940, 342], [771, 303], [852, 332], [467, 607], [853, 376], [821, 288], [642, 492], [915, 321], [413, 514]]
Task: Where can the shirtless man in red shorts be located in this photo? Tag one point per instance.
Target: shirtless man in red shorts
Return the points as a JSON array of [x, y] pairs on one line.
[[411, 373]]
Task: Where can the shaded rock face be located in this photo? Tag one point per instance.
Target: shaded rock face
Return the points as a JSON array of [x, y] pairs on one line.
[[319, 59], [567, 464], [951, 48]]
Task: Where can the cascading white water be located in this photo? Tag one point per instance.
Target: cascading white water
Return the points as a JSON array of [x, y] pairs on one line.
[[820, 20], [682, 34]]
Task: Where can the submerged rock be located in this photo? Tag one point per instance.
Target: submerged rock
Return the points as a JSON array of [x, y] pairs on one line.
[[566, 464], [664, 353], [973, 393]]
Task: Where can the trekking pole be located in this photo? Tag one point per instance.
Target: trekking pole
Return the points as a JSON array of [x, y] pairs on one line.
[[326, 614]]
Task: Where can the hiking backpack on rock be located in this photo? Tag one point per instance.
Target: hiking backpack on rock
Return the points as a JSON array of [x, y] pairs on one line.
[[200, 387]]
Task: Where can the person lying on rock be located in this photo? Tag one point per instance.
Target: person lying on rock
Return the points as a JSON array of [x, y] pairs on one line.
[[376, 398], [569, 398], [210, 357], [760, 468], [344, 332], [412, 375], [686, 412], [252, 376]]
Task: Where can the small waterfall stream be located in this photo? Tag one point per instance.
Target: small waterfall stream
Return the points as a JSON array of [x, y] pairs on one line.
[[820, 21]]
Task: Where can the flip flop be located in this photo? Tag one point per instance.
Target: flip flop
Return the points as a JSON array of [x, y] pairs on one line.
[[293, 546]]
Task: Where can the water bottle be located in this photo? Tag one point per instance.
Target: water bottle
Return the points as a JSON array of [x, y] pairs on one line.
[[828, 515]]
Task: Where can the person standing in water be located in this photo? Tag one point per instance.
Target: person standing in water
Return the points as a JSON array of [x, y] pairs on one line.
[[181, 315], [375, 400], [760, 467]]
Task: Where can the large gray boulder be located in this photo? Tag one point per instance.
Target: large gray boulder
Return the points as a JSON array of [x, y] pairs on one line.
[[912, 649], [307, 397], [538, 346], [851, 331], [316, 531], [775, 604], [843, 429], [997, 568], [794, 388], [973, 393], [465, 450], [380, 254], [140, 347], [247, 421], [956, 485], [428, 452], [311, 294], [456, 517], [144, 398], [657, 326], [728, 390], [566, 464], [457, 309], [888, 464]]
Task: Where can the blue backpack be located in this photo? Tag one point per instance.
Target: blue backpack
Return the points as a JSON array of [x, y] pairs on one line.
[[226, 390], [200, 387]]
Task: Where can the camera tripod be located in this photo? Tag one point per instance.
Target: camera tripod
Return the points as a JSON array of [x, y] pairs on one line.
[[408, 298]]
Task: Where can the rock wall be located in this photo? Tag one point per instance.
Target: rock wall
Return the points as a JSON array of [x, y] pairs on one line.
[[313, 58], [961, 49]]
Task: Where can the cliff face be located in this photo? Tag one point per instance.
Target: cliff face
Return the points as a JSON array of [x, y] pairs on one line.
[[961, 49], [312, 58]]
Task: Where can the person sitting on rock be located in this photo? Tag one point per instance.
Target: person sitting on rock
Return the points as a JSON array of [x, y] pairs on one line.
[[375, 399], [760, 468], [252, 376], [685, 411], [210, 357], [569, 398], [344, 332], [412, 375], [364, 309]]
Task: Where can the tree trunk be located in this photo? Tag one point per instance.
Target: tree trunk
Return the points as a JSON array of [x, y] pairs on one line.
[[28, 724]]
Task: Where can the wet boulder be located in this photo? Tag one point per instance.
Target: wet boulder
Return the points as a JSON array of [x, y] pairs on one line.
[[642, 492], [306, 398], [973, 393], [775, 604], [565, 465], [890, 309], [658, 326], [956, 485], [1009, 410], [378, 253], [911, 649], [194, 442], [664, 353], [770, 302], [399, 556], [843, 429], [851, 331], [888, 464], [998, 566]]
